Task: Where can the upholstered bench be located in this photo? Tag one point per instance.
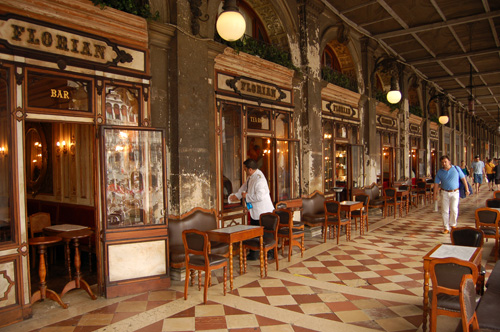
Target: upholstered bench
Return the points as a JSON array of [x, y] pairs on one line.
[[376, 200], [200, 219], [313, 211]]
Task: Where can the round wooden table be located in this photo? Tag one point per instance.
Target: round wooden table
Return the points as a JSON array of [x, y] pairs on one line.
[[44, 292], [77, 281]]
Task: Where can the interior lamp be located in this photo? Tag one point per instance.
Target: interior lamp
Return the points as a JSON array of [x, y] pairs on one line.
[[443, 119], [394, 95], [230, 24]]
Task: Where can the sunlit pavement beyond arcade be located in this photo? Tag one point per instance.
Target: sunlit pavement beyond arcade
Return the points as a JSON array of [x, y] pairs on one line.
[[372, 283]]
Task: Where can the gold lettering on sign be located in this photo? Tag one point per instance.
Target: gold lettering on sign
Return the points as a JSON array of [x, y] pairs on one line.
[[41, 38], [61, 94], [256, 119]]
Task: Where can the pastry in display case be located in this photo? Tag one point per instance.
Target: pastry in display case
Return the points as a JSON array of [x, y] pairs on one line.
[[134, 177]]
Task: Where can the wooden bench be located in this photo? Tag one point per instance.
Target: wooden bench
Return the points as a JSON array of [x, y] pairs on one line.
[[200, 219], [313, 210]]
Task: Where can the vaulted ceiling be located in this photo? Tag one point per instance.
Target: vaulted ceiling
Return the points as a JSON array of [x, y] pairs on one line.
[[441, 40]]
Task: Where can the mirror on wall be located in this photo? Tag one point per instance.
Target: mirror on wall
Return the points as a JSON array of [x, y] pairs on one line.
[[35, 157]]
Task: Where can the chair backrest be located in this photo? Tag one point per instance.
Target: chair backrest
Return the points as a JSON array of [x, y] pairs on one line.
[[421, 185], [390, 192], [496, 194], [363, 198], [285, 216], [467, 236], [446, 274], [403, 187], [467, 301], [313, 204], [195, 243], [270, 222], [332, 207], [487, 217], [38, 221], [493, 203]]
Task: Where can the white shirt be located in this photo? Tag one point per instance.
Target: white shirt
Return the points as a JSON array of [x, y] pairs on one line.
[[257, 194]]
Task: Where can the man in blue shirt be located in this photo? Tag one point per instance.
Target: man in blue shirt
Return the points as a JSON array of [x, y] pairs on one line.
[[447, 178]]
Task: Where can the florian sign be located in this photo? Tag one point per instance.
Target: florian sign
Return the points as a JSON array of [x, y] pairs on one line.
[[256, 89], [37, 37], [339, 109]]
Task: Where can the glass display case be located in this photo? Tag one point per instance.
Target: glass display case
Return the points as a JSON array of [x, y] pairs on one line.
[[134, 166]]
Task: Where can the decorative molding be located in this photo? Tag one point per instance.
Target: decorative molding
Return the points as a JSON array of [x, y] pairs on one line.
[[196, 15], [19, 114], [10, 282]]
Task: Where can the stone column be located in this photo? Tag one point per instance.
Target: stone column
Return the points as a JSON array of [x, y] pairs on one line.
[[309, 97]]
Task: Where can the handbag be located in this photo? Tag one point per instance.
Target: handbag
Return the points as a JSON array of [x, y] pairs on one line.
[[461, 186]]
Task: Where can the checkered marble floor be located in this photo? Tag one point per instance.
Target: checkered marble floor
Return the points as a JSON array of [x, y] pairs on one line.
[[372, 283]]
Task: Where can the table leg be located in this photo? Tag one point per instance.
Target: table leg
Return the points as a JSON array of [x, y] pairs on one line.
[[262, 256], [361, 223], [68, 257], [243, 260], [44, 292], [231, 264], [426, 296], [78, 282]]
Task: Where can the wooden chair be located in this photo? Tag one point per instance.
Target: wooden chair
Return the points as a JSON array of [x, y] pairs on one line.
[[487, 220], [363, 217], [38, 221], [392, 199], [412, 196], [199, 258], [470, 237], [313, 214], [270, 222], [496, 194], [467, 297], [446, 276], [422, 193], [332, 219], [289, 231], [493, 203]]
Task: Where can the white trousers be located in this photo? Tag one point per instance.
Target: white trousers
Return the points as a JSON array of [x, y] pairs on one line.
[[449, 208]]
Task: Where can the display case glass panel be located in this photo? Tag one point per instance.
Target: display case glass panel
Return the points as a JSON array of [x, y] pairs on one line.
[[122, 105], [7, 223], [328, 156], [283, 125], [231, 152], [357, 166], [134, 166]]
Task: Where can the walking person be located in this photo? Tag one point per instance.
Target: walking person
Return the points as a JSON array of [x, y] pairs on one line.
[[478, 171], [464, 168], [447, 179], [497, 174], [489, 167], [255, 192]]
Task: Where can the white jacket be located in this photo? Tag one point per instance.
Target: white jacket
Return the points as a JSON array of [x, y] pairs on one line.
[[257, 194]]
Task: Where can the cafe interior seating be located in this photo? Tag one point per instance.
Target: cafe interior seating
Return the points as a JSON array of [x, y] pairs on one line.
[[313, 213], [422, 193], [496, 194], [392, 200], [446, 276], [412, 196], [468, 304], [333, 220], [290, 231], [470, 237], [361, 215], [487, 220], [198, 258], [270, 223]]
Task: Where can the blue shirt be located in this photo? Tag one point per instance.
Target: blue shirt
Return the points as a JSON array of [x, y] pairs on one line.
[[449, 179]]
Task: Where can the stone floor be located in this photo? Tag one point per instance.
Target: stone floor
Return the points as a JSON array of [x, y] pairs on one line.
[[372, 283]]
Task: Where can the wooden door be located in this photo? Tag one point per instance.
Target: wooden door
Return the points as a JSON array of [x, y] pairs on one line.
[[134, 236]]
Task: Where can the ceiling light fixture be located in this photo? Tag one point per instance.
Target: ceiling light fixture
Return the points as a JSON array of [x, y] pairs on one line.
[[230, 24], [394, 95]]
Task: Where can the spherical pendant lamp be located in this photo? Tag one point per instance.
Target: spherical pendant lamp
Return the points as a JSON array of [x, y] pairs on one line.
[[394, 95], [230, 23]]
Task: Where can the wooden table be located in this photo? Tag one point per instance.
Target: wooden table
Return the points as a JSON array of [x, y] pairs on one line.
[[44, 292], [471, 254], [235, 234], [77, 281], [57, 230], [348, 207]]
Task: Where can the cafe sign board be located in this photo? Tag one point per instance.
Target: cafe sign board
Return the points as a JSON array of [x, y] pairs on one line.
[[253, 89], [18, 33], [341, 110]]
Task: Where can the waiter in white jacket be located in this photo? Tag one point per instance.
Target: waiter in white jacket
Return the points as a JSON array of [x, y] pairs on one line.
[[255, 192]]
